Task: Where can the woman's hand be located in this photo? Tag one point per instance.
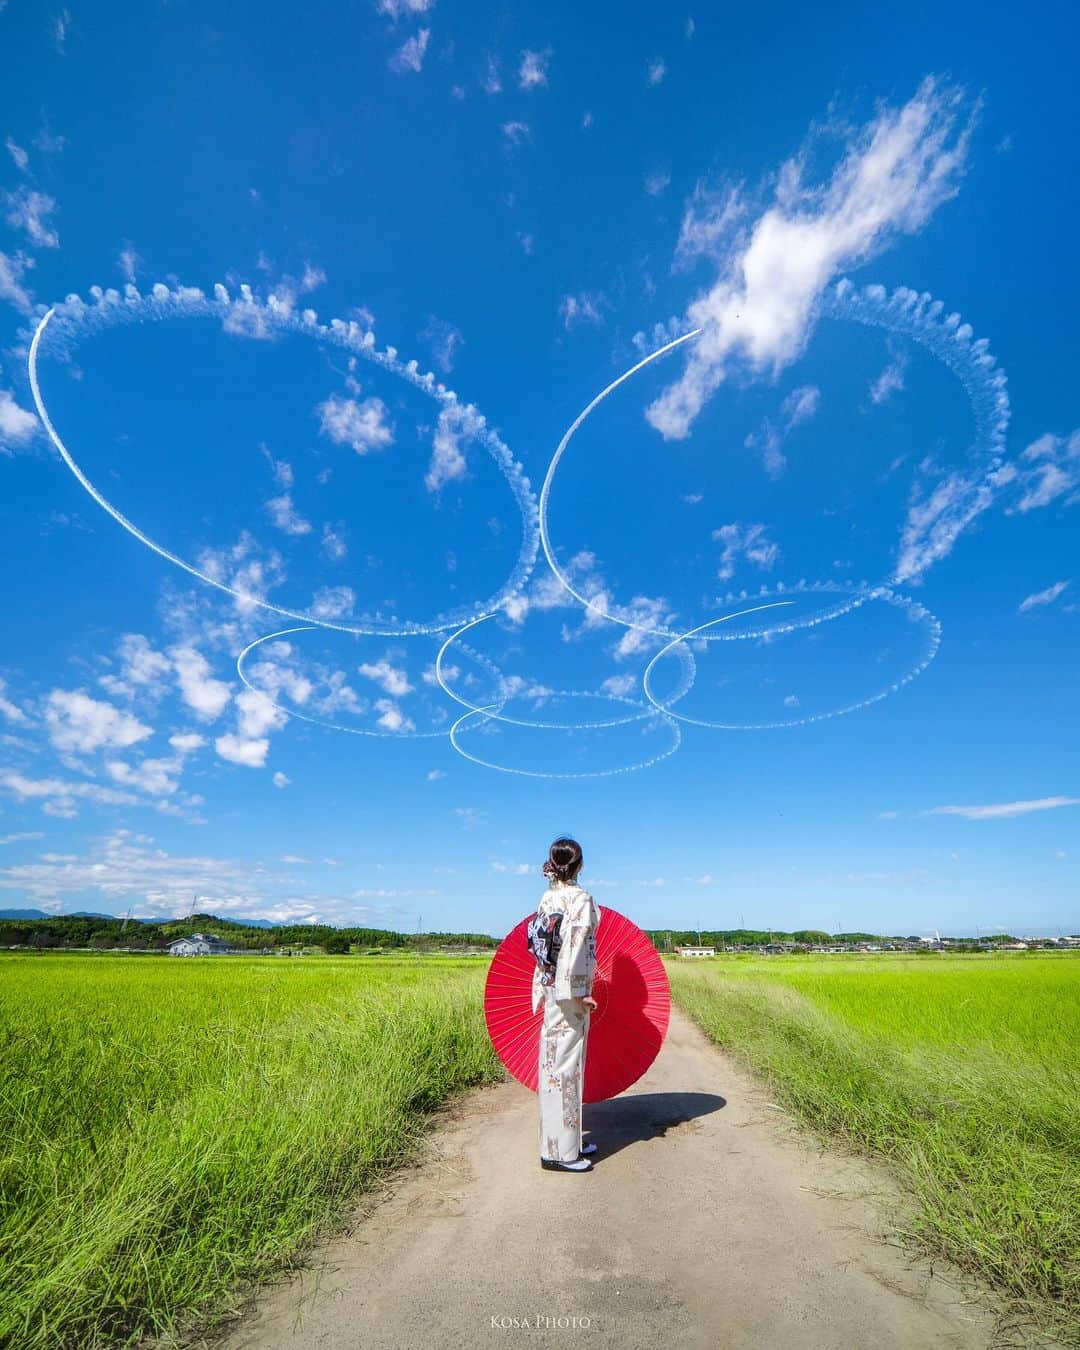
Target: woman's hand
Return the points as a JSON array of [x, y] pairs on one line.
[[590, 1003]]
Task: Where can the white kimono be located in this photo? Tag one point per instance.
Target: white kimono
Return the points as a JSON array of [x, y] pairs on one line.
[[564, 1034]]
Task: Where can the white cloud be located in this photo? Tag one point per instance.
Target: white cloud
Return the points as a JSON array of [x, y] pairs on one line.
[[81, 724], [333, 541], [22, 834], [750, 542], [895, 172], [17, 425], [60, 794], [689, 28], [619, 685], [457, 423], [1003, 810], [142, 667], [890, 381], [205, 695], [933, 525], [397, 9], [11, 288], [123, 867], [10, 710], [470, 816], [285, 515], [709, 226], [49, 143], [60, 29], [28, 210], [391, 718], [333, 602], [245, 568], [256, 715], [17, 153], [1049, 470], [280, 468], [654, 881], [532, 73], [435, 774], [514, 133], [391, 893], [281, 780], [514, 869], [491, 82], [656, 71], [363, 426], [1046, 597], [799, 406], [156, 777], [186, 742], [250, 752], [410, 55], [129, 262], [585, 307], [390, 679], [656, 183], [444, 340]]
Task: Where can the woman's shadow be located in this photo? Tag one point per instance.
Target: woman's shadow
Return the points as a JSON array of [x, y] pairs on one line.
[[625, 1120]]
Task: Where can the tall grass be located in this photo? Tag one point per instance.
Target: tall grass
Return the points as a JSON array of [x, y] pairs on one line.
[[174, 1130], [963, 1072]]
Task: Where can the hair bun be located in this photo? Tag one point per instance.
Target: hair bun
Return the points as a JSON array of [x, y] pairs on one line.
[[564, 860]]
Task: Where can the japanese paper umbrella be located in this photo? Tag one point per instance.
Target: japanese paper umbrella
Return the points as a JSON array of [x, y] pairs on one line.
[[627, 1027]]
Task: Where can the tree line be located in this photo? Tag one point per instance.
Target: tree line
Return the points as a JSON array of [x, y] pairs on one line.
[[77, 930]]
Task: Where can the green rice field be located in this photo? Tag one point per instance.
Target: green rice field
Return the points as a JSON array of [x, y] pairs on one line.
[[177, 1131], [964, 1072], [174, 1130]]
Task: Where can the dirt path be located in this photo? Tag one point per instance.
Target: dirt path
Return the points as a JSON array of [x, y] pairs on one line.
[[707, 1221]]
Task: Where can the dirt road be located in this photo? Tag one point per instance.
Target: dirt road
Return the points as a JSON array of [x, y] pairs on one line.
[[708, 1220]]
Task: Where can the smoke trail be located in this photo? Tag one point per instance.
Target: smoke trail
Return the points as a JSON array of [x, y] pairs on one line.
[[74, 320], [291, 711], [508, 691], [934, 524], [669, 722], [916, 612]]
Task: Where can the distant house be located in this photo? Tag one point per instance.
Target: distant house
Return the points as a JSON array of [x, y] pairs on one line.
[[695, 951], [199, 944]]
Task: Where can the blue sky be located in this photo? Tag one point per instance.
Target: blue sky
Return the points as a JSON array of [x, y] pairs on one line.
[[519, 204]]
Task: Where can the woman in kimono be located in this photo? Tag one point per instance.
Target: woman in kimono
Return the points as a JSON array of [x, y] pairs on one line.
[[568, 1002]]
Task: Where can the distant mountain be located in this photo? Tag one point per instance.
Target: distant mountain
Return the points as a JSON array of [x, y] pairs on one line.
[[91, 914], [248, 923]]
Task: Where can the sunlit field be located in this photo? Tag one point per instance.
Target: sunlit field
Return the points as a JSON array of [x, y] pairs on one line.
[[174, 1129], [963, 1071]]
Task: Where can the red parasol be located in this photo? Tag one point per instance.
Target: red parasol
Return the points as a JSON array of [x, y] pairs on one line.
[[627, 1028]]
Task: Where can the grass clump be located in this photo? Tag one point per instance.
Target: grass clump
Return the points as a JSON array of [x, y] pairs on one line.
[[964, 1073], [177, 1130]]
